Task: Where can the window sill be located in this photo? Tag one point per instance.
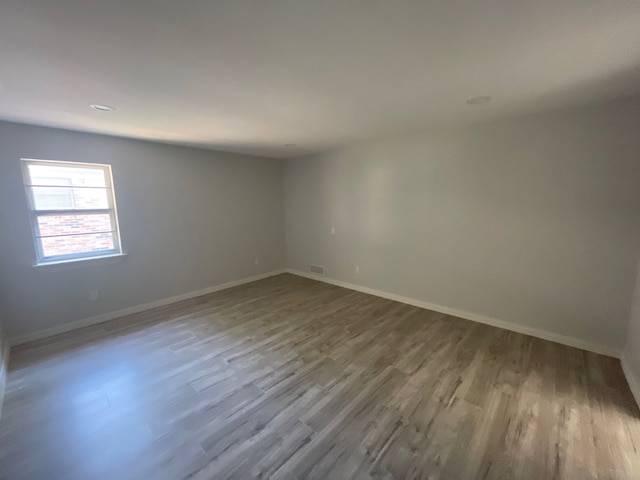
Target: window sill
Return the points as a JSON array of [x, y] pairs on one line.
[[81, 263]]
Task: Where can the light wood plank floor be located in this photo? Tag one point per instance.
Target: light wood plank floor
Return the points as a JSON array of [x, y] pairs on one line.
[[287, 378]]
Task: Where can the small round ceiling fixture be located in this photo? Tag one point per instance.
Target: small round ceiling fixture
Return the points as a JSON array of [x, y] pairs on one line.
[[478, 100], [102, 108], [289, 145]]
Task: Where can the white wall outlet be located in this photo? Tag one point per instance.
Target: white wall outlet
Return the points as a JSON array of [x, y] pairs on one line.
[[93, 295], [357, 268], [319, 269], [333, 230], [256, 261]]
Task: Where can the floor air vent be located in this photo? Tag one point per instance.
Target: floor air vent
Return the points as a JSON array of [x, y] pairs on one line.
[[319, 269]]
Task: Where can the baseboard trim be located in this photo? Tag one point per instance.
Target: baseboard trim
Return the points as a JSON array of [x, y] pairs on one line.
[[632, 378], [105, 317], [3, 372], [515, 327]]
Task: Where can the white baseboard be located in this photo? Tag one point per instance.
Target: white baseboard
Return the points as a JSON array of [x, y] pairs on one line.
[[67, 327], [516, 327], [632, 378], [4, 364]]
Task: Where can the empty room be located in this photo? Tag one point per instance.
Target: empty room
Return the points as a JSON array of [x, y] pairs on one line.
[[297, 239]]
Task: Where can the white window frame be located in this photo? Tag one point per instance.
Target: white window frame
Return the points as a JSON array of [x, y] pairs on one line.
[[34, 214]]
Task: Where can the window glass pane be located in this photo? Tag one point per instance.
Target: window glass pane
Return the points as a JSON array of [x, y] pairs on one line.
[[65, 186], [73, 224], [67, 175], [59, 198], [93, 242]]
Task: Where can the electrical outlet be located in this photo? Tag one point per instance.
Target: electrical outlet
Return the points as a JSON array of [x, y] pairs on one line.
[[357, 268], [256, 261], [93, 295]]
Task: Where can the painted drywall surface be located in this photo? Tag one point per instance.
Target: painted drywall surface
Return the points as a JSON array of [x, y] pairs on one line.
[[534, 221], [189, 219], [4, 362], [632, 344]]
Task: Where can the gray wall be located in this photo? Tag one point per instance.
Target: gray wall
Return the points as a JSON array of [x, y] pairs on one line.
[[632, 346], [534, 221], [4, 360], [189, 219]]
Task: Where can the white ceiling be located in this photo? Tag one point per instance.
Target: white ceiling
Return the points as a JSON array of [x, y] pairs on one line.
[[252, 75]]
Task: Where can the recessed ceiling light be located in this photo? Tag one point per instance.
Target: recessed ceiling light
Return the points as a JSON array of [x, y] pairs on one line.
[[478, 100], [102, 108], [289, 145]]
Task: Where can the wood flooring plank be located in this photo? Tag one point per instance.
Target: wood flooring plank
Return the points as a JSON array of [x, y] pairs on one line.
[[290, 379]]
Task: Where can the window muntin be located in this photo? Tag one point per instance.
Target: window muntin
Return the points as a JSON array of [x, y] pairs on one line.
[[72, 208]]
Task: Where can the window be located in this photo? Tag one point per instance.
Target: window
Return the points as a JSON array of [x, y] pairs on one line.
[[73, 210]]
